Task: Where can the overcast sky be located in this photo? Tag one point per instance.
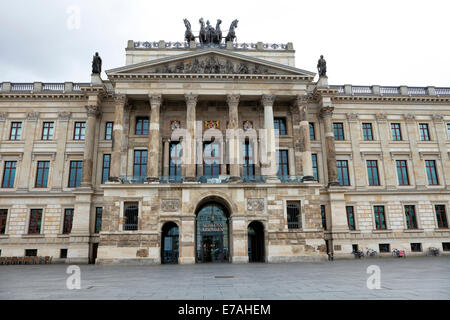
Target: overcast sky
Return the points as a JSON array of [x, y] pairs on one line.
[[396, 42]]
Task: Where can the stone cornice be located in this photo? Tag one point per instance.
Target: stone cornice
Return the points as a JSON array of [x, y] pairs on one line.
[[183, 76], [390, 99], [42, 96]]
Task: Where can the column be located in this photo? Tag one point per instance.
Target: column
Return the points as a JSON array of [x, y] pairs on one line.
[[233, 137], [389, 164], [28, 136], [61, 134], [166, 157], [269, 169], [326, 112], [305, 139], [154, 140], [120, 101], [442, 138], [92, 113], [190, 145]]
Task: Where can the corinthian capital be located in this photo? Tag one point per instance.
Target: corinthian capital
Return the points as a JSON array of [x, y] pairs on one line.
[[191, 98], [300, 100], [233, 99], [155, 99], [33, 116], [120, 98], [326, 112], [92, 110], [268, 99]]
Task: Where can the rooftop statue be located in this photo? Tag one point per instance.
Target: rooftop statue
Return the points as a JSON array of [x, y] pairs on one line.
[[208, 35], [322, 67], [231, 33], [188, 35], [96, 64]]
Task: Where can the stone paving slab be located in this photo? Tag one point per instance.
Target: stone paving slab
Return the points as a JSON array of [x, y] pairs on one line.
[[414, 278]]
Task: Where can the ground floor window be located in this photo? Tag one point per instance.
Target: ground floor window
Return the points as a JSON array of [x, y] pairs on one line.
[[98, 219], [170, 243], [30, 252], [324, 216], [3, 218], [350, 218], [34, 226], [446, 246], [384, 247], [131, 216], [63, 254], [68, 219], [293, 215], [416, 247]]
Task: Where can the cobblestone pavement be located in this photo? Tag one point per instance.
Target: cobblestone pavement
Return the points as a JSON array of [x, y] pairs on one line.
[[413, 278]]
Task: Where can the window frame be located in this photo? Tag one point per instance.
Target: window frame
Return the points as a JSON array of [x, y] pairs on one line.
[[281, 121], [3, 221], [402, 172], [378, 222], [175, 163], [11, 177], [323, 213], [338, 130], [352, 213], [340, 173], [373, 180], [142, 127], [282, 167], [47, 131], [410, 217], [249, 168], [399, 136], [434, 179], [39, 222], [315, 166], [424, 132], [442, 216], [45, 173], [109, 126], [79, 131], [130, 226], [68, 220], [140, 162], [312, 131], [15, 132], [77, 169], [294, 222], [367, 129], [106, 168], [98, 217]]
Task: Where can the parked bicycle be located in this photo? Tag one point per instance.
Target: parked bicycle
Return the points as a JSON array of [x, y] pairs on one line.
[[371, 253], [358, 254], [399, 253], [432, 251]]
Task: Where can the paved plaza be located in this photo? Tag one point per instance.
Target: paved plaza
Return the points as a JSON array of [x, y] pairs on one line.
[[412, 278]]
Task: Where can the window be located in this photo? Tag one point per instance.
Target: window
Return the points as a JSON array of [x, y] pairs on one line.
[[280, 126], [293, 214], [441, 216], [211, 159], [80, 128], [140, 164], [384, 247], [68, 219], [47, 131], [448, 130], [16, 130], [43, 167], [416, 247], [175, 158], [446, 246], [98, 219], [3, 219], [34, 226], [338, 131], [142, 126], [424, 132], [431, 172], [350, 218], [63, 254], [380, 219], [367, 131], [312, 131], [131, 216], [249, 164], [109, 130], [402, 172], [75, 173], [30, 252], [410, 214], [283, 165], [315, 166], [106, 167], [9, 174], [355, 248], [342, 168], [324, 216], [396, 132], [372, 173]]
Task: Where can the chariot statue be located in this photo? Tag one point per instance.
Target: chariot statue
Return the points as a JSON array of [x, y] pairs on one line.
[[188, 35]]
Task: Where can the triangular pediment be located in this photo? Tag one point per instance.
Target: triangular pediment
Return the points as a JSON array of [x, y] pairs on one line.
[[211, 61]]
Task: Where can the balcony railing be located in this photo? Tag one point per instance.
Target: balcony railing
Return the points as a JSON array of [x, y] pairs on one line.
[[390, 90]]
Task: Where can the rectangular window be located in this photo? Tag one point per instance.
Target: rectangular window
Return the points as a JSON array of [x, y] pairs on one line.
[[323, 213], [350, 218], [142, 126], [448, 130], [293, 215], [424, 132], [410, 214], [441, 216], [79, 131], [175, 159], [367, 131], [63, 254], [338, 131], [47, 131], [283, 165], [3, 219], [131, 216], [402, 172], [16, 130], [211, 160], [68, 219], [384, 247], [43, 168], [446, 246], [30, 252], [249, 164], [75, 173], [396, 132], [140, 164], [342, 168], [312, 131], [98, 219], [106, 167], [34, 226], [372, 172], [315, 166], [109, 130], [280, 126], [380, 218], [9, 174], [431, 172], [416, 247]]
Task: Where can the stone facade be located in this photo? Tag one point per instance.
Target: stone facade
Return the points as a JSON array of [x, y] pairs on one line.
[[157, 84]]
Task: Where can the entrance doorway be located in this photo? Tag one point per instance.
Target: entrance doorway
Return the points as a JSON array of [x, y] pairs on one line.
[[256, 242], [169, 243], [212, 234]]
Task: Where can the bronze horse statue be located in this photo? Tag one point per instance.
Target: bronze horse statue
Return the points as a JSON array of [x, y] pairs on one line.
[[188, 36], [232, 34], [202, 36], [218, 34]]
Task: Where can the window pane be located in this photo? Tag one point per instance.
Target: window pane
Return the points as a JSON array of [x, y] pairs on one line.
[[283, 164], [350, 218], [367, 131], [106, 167], [68, 219], [324, 216], [431, 172], [43, 168], [441, 216], [402, 172], [34, 226], [396, 132], [424, 133], [315, 167], [312, 134], [3, 219], [372, 171], [410, 213], [380, 222], [98, 219], [293, 214], [342, 167], [9, 174], [338, 130]]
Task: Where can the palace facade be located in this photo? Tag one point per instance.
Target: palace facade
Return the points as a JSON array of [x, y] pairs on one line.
[[147, 166]]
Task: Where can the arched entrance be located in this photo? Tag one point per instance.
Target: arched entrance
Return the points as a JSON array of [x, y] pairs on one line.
[[212, 233], [256, 242], [169, 243]]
